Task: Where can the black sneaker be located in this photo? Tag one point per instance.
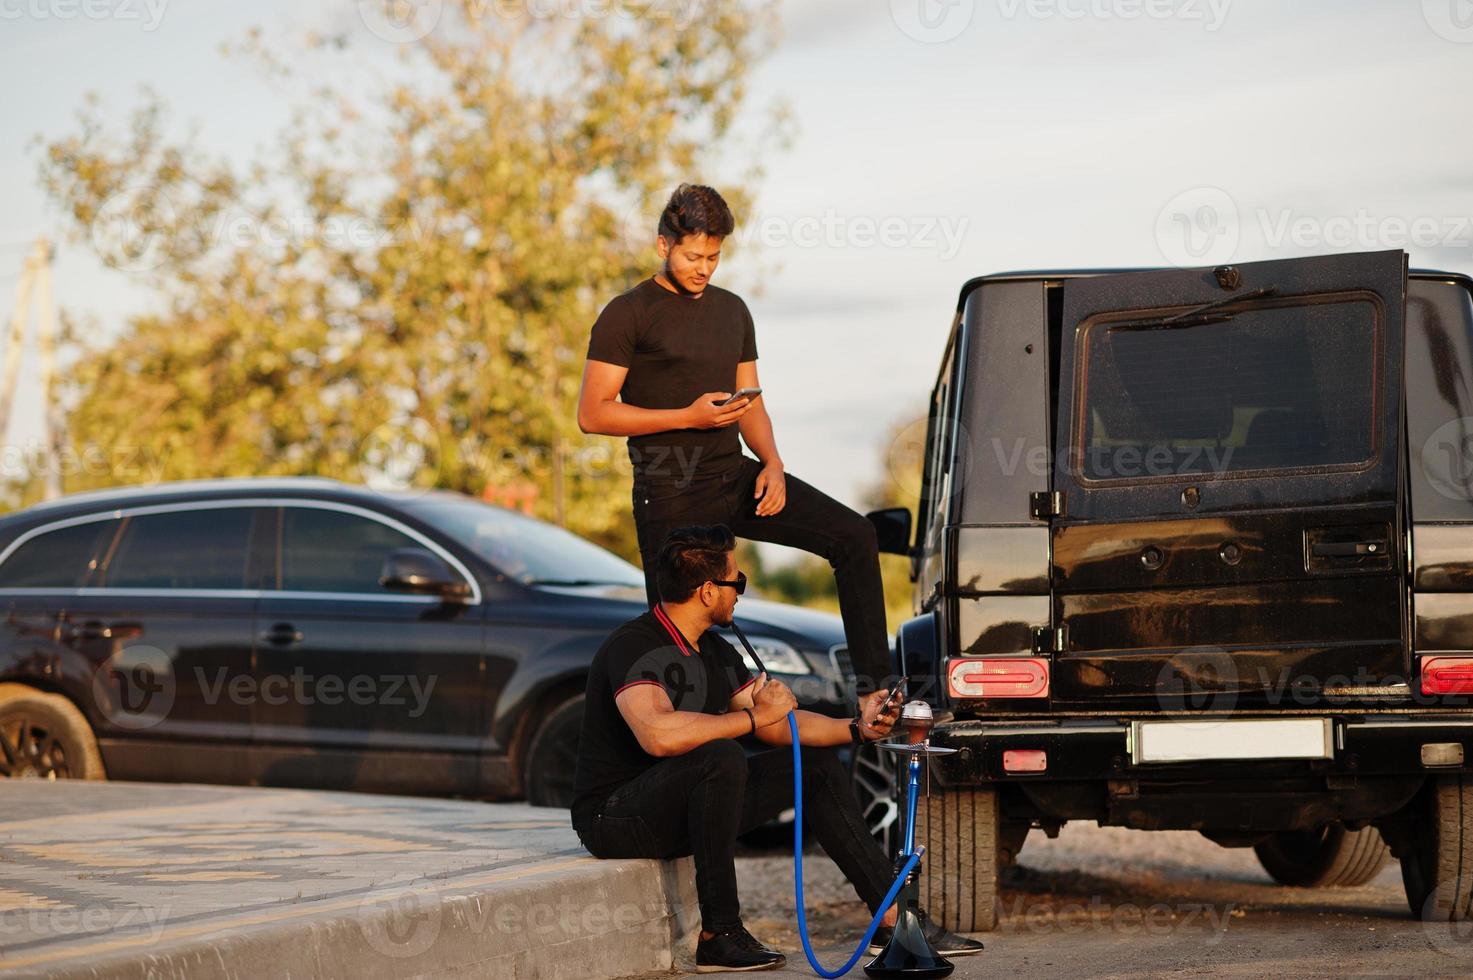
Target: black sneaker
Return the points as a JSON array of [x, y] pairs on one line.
[[942, 940], [732, 950]]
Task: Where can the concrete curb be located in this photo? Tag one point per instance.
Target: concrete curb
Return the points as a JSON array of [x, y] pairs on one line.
[[202, 882]]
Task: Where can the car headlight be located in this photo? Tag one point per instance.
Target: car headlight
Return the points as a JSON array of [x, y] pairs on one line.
[[777, 656]]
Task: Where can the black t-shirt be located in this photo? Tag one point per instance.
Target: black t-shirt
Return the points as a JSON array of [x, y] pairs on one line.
[[642, 652], [676, 348]]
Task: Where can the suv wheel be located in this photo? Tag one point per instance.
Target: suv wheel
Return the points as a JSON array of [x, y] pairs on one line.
[[1438, 871], [1325, 857], [875, 773], [44, 736], [552, 755], [961, 831]]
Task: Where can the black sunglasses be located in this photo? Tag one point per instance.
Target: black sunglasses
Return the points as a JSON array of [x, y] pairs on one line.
[[740, 584]]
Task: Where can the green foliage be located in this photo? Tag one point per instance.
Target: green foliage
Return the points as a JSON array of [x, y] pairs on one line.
[[425, 315]]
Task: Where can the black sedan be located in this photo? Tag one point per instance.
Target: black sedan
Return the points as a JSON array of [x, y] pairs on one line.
[[306, 632]]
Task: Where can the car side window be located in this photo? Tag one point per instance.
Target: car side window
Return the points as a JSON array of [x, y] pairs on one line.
[[65, 558], [202, 548], [333, 551]]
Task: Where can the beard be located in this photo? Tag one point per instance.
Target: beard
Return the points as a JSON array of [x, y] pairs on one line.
[[671, 278]]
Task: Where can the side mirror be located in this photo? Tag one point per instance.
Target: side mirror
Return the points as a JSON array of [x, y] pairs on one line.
[[892, 528], [421, 571]]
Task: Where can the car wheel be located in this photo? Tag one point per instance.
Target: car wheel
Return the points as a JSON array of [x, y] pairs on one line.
[[44, 736], [552, 755], [875, 776], [1438, 872], [962, 831], [1325, 857]]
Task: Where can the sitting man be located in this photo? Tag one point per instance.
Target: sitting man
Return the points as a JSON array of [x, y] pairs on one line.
[[660, 773]]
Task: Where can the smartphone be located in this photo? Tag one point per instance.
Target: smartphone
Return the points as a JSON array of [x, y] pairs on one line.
[[744, 393], [890, 698]]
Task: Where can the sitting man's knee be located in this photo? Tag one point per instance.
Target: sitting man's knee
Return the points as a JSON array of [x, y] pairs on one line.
[[723, 754]]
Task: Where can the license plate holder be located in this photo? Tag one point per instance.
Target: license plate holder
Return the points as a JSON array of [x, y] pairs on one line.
[[1230, 740]]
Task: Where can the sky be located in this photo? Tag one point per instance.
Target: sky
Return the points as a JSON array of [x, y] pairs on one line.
[[934, 141]]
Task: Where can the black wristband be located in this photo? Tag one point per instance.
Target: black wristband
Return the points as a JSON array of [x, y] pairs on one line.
[[854, 736], [753, 719]]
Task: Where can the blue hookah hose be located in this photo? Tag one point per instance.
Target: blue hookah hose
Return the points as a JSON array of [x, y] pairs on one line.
[[798, 869]]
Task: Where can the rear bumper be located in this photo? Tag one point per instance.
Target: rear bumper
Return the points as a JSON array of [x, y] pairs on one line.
[[1092, 749]]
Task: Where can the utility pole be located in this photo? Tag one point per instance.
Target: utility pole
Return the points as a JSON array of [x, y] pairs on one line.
[[35, 276]]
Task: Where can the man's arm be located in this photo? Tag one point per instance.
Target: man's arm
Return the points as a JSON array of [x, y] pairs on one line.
[[662, 731], [600, 412], [813, 728], [771, 490]]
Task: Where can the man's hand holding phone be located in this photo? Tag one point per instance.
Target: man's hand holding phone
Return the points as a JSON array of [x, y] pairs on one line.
[[879, 711], [709, 412]]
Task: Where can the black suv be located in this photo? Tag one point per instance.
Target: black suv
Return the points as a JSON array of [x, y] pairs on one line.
[[306, 632], [1195, 551]]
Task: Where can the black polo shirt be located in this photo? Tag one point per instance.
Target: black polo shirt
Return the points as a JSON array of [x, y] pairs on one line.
[[643, 652]]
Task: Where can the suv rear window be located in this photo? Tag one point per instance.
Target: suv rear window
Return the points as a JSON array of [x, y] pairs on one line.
[[1276, 387]]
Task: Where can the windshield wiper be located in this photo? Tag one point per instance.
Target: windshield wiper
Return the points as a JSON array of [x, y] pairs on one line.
[[1206, 313]]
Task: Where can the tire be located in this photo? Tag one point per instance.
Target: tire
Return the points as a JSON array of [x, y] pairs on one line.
[[44, 736], [552, 755], [874, 773], [1438, 873], [1323, 858], [960, 828]]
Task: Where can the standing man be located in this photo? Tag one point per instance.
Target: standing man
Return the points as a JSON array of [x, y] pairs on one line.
[[663, 359], [660, 771]]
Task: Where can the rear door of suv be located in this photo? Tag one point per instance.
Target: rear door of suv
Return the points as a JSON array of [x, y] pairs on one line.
[[1230, 455]]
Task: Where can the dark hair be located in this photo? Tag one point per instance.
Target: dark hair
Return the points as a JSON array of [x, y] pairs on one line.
[[695, 209], [690, 557]]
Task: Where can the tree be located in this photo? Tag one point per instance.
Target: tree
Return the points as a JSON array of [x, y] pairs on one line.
[[404, 294]]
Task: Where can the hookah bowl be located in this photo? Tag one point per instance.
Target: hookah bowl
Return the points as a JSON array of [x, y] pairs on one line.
[[909, 953]]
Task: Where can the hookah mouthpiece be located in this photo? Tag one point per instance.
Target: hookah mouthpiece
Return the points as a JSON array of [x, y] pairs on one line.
[[916, 720]]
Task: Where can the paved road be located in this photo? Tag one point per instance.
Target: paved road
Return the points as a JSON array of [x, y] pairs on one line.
[[1105, 902]]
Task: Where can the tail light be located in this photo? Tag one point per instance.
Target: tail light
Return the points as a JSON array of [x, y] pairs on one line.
[[1014, 677], [1447, 675]]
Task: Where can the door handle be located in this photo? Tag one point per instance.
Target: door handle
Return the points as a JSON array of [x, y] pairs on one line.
[[1347, 549], [282, 634], [94, 629]]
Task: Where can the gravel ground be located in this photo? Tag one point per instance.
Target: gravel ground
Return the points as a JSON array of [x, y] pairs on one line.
[[1108, 902]]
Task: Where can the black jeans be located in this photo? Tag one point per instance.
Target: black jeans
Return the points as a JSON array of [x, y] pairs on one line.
[[697, 803], [811, 520]]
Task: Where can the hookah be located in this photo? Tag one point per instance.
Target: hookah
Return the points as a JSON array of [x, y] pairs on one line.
[[909, 953]]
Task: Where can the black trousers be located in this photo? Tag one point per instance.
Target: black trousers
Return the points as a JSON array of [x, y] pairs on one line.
[[811, 520], [697, 804]]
